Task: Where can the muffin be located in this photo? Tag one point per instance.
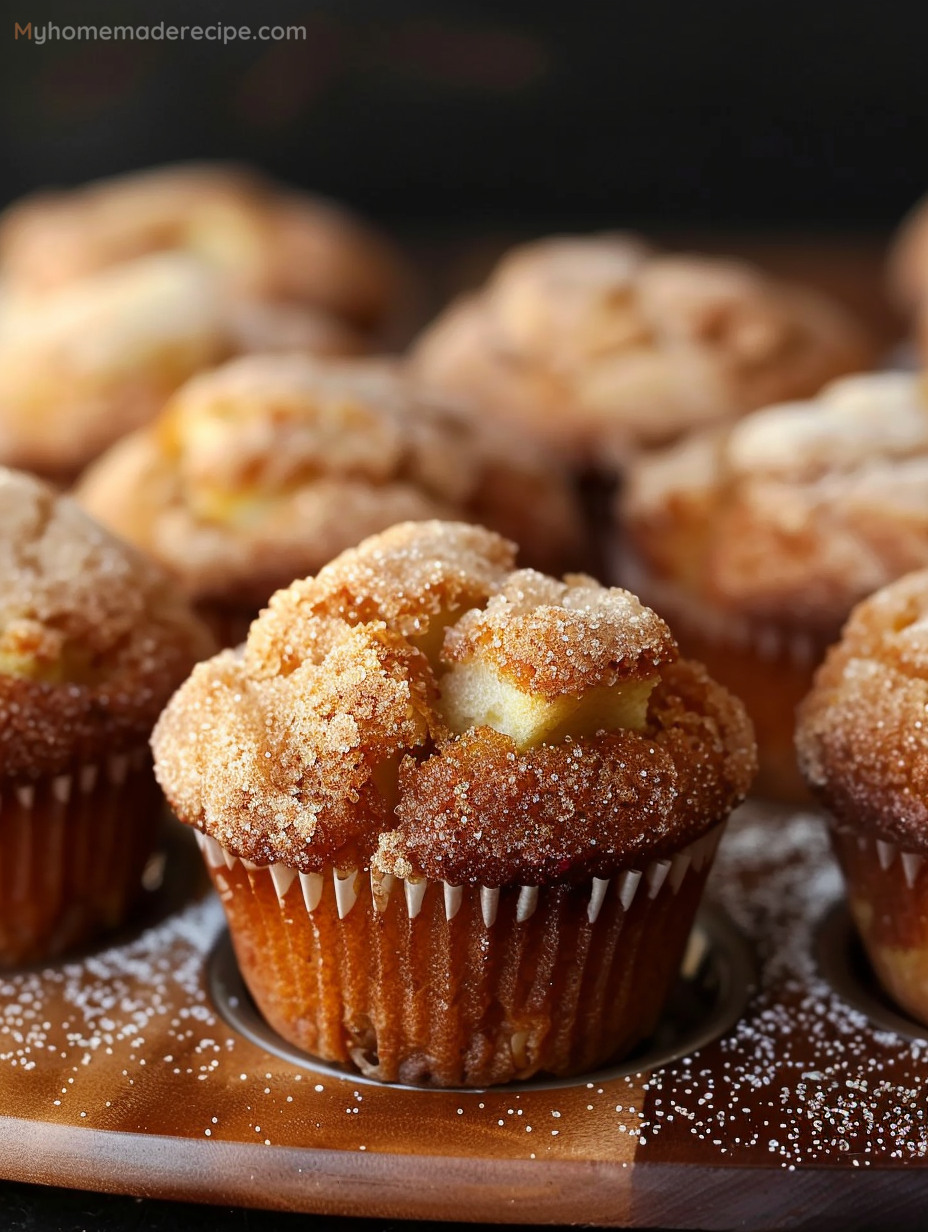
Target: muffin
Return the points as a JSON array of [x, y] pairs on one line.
[[263, 470], [862, 739], [81, 367], [93, 642], [600, 345], [756, 541], [266, 242], [459, 815]]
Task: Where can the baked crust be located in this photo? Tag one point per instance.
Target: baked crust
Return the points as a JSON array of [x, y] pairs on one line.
[[93, 638], [601, 345], [334, 722], [862, 735], [266, 242], [268, 467], [795, 513]]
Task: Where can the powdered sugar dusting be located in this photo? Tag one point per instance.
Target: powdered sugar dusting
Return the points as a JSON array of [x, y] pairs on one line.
[[803, 1078]]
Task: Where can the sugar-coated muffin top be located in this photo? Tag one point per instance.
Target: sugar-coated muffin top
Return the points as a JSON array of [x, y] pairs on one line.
[[424, 708], [93, 637], [797, 511], [267, 467], [862, 734], [265, 241], [601, 344]]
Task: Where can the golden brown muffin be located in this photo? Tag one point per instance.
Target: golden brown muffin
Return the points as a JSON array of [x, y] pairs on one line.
[[599, 344], [83, 366], [756, 541], [862, 739], [93, 642], [263, 470], [265, 241], [460, 815]]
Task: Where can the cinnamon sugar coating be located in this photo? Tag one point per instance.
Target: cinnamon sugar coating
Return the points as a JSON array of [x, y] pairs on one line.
[[862, 734], [601, 345], [266, 242], [266, 468], [93, 638], [326, 739], [552, 638], [578, 810], [796, 512]]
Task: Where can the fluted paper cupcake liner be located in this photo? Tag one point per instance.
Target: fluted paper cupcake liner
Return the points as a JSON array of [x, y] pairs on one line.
[[72, 850], [424, 982], [888, 897]]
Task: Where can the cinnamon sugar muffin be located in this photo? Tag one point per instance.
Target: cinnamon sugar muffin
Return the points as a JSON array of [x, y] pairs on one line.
[[459, 816], [862, 739], [756, 541], [81, 367], [265, 241], [600, 345], [93, 641], [266, 468]]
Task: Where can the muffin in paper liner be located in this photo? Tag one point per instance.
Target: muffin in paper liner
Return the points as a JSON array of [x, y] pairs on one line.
[[756, 541], [459, 815], [93, 641], [862, 740], [520, 979]]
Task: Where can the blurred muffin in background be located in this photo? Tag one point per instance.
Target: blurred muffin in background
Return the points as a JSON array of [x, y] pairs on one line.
[[599, 345], [94, 639], [83, 365], [757, 540], [266, 241], [263, 470]]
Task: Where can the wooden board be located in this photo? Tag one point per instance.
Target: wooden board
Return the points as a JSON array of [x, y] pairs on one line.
[[117, 1073]]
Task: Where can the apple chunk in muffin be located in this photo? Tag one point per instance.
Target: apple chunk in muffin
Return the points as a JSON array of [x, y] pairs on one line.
[[547, 660]]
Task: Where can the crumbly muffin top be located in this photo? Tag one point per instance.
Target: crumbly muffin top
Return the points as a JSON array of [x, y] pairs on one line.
[[421, 708], [265, 241], [93, 637], [601, 344], [862, 734], [797, 511], [267, 467]]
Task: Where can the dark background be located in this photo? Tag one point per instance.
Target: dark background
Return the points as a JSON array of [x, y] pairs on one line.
[[671, 113]]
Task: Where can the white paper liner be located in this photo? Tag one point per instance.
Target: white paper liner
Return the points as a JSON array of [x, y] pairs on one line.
[[886, 854], [659, 876]]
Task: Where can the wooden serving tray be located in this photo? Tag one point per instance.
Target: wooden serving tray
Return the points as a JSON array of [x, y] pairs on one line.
[[118, 1073]]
